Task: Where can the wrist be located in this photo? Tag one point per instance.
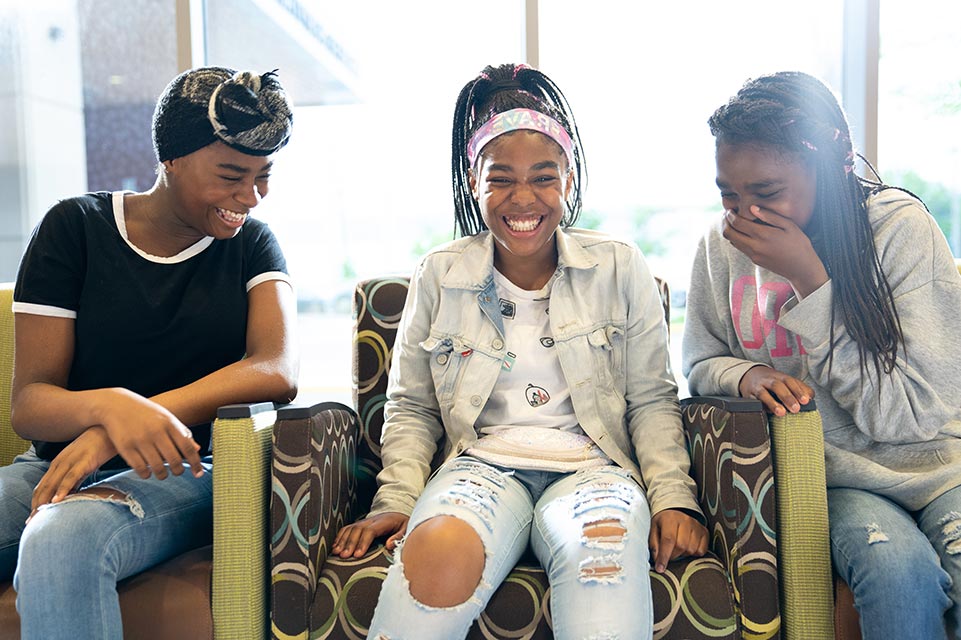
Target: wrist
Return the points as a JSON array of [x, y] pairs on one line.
[[101, 402], [808, 283]]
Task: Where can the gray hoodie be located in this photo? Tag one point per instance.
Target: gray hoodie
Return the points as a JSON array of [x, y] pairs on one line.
[[904, 443]]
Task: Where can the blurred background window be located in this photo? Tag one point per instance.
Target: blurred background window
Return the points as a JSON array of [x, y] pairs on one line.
[[363, 189]]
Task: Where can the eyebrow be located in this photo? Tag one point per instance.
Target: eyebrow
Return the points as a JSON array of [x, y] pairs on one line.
[[754, 186], [238, 169], [540, 166]]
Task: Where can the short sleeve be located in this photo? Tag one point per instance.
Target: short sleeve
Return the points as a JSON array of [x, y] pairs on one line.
[[264, 259], [51, 273]]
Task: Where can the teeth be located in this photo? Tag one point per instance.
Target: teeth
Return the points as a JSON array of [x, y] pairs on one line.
[[526, 224], [231, 216]]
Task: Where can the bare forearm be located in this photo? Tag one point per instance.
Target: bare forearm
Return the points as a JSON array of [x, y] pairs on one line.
[[42, 411], [249, 380]]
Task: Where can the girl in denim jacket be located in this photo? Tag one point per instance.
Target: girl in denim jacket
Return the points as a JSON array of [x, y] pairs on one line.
[[536, 356]]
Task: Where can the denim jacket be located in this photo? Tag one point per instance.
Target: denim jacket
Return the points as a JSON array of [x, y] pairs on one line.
[[611, 339]]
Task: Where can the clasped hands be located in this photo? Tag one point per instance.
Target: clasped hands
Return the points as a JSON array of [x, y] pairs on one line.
[[149, 438]]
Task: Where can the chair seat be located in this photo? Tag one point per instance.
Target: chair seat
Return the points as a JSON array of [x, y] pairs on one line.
[[693, 599], [171, 600]]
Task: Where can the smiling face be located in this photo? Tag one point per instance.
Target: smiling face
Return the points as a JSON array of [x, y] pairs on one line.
[[520, 183], [756, 174], [216, 188]]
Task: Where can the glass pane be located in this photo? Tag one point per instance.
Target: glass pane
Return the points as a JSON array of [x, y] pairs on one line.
[[82, 79], [363, 188], [919, 106], [642, 98]]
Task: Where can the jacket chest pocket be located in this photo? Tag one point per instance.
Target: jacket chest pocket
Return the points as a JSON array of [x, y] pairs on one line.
[[607, 347], [447, 356]]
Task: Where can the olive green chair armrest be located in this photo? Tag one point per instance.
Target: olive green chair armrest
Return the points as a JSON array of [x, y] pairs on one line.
[[11, 445], [241, 444], [804, 542]]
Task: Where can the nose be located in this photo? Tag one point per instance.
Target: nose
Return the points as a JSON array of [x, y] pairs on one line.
[[522, 194], [248, 195]]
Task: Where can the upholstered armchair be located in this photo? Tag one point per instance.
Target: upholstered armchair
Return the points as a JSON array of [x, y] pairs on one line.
[[218, 591], [756, 581]]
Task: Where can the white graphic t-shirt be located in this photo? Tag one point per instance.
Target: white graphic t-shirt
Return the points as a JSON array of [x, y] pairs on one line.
[[528, 421]]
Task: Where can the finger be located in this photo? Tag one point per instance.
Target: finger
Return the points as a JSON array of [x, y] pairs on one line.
[[352, 541], [190, 451], [786, 396], [736, 223], [363, 544], [172, 455], [42, 494], [339, 539], [666, 543], [682, 546], [702, 542], [136, 462], [155, 461], [769, 218], [68, 483], [800, 390], [770, 403], [393, 540]]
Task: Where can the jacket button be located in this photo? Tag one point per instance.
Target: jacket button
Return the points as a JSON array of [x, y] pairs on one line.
[[498, 344], [475, 400], [442, 358]]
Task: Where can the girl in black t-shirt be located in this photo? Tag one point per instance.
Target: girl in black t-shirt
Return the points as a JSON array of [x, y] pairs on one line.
[[134, 314]]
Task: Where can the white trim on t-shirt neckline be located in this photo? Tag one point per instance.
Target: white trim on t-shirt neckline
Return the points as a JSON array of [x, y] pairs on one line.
[[121, 221]]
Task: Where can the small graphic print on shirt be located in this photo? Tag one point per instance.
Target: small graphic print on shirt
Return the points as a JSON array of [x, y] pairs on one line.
[[509, 361], [536, 396], [508, 308], [547, 342]]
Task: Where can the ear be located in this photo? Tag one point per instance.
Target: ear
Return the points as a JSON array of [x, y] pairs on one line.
[[472, 181]]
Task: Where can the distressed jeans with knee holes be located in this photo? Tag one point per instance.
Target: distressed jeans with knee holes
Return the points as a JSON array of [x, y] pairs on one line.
[[70, 556], [589, 530], [903, 567]]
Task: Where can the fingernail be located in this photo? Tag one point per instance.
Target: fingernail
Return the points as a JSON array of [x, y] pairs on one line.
[[804, 399]]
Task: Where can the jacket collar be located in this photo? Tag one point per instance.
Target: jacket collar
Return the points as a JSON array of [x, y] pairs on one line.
[[474, 267]]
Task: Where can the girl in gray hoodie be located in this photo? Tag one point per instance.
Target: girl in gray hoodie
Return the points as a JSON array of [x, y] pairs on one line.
[[819, 283]]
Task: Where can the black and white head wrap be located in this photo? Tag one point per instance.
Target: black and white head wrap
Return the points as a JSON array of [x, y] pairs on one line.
[[244, 110]]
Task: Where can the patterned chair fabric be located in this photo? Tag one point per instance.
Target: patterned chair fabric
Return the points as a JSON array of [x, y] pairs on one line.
[[326, 459]]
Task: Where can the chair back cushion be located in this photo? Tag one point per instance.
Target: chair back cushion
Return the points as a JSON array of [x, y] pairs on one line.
[[378, 304]]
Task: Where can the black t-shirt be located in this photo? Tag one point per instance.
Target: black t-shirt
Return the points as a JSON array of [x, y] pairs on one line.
[[145, 323]]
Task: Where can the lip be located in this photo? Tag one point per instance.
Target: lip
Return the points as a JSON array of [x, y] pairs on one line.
[[522, 224], [233, 219]]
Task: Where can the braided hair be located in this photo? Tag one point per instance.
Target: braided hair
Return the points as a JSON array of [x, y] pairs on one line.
[[496, 90], [797, 113]]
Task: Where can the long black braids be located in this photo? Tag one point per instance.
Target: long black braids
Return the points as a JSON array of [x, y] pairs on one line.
[[495, 90], [797, 113]]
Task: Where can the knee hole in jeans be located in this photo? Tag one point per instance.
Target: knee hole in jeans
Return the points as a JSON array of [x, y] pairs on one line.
[[103, 494], [442, 560]]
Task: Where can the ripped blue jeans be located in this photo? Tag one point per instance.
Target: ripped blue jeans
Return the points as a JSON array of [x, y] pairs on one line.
[[70, 556], [903, 567], [600, 586]]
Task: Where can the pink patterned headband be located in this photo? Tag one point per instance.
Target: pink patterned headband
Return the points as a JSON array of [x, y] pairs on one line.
[[520, 119]]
